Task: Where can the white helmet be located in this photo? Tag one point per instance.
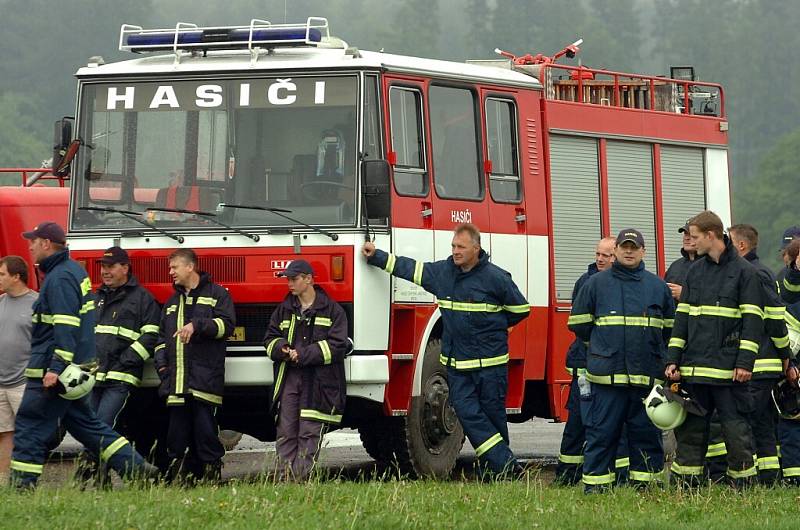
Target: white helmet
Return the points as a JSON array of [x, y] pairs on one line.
[[794, 339], [664, 414], [75, 382]]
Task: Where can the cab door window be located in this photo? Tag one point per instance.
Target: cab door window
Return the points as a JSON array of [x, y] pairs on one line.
[[405, 113], [501, 127]]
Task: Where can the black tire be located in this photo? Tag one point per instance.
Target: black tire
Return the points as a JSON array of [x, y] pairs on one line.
[[434, 435], [427, 442]]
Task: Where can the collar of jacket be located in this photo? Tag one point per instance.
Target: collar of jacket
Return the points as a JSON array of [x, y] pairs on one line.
[[729, 254], [592, 269], [204, 279], [686, 255], [320, 300], [52, 260], [751, 256], [624, 273]]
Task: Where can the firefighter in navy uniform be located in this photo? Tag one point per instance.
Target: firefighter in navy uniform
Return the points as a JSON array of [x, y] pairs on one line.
[[787, 394], [190, 360], [625, 315], [307, 342], [62, 337], [570, 455], [678, 269], [714, 345], [772, 361], [479, 302], [788, 277], [126, 332]]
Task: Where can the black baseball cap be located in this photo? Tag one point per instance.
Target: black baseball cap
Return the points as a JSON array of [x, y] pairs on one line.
[[296, 267], [115, 255], [47, 230], [790, 233], [685, 227], [632, 235]]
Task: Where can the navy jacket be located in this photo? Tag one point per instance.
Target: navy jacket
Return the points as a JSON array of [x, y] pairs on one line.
[[126, 331], [320, 337], [626, 315], [576, 354], [196, 368], [774, 345], [719, 320], [63, 317], [789, 284], [677, 271], [477, 306]]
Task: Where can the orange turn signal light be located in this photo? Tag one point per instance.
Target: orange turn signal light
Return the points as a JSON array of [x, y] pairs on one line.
[[337, 268]]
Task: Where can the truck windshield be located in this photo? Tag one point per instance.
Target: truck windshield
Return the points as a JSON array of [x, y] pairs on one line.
[[288, 142]]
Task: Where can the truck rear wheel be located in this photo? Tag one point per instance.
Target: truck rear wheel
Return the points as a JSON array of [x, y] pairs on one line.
[[427, 442]]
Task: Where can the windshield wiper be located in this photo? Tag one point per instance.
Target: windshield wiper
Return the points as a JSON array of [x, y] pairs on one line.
[[136, 216], [208, 216], [281, 213]]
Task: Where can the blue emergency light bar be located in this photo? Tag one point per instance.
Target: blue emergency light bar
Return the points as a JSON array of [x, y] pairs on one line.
[[258, 34]]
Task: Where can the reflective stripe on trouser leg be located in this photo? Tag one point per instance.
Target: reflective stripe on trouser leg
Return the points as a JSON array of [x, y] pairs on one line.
[[570, 456], [478, 397], [644, 439], [763, 425], [36, 423], [603, 413], [789, 436]]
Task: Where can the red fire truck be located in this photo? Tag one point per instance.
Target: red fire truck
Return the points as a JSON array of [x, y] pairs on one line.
[[262, 143]]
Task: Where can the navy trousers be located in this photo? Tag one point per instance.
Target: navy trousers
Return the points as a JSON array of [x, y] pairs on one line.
[[193, 435], [789, 438], [479, 399], [570, 456], [605, 412], [37, 421], [763, 422], [108, 401]]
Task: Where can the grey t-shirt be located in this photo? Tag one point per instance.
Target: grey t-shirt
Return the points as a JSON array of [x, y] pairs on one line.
[[15, 336]]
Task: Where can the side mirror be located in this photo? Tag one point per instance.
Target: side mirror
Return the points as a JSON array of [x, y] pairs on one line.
[[64, 148], [375, 188]]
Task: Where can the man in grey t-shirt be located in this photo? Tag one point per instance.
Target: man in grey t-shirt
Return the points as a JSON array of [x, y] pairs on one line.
[[15, 347]]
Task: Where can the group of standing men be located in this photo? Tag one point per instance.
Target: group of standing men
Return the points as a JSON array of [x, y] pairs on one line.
[[716, 326]]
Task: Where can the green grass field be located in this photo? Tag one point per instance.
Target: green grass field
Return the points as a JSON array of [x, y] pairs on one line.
[[397, 504]]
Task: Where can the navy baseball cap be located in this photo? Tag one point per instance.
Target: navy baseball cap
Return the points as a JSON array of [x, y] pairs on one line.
[[296, 267], [47, 230], [789, 234], [632, 235], [115, 255], [685, 227]]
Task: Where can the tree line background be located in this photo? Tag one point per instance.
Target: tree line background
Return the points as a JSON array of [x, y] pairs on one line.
[[743, 44]]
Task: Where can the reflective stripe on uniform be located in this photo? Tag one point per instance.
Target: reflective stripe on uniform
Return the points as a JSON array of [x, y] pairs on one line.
[[27, 467], [768, 365], [473, 307], [749, 472], [311, 414], [774, 312], [67, 320], [35, 373], [524, 308], [206, 396], [85, 308], [748, 345], [622, 379], [278, 380], [284, 324], [100, 376], [622, 462], [488, 444], [599, 480], [149, 328], [704, 371], [64, 354], [780, 342], [791, 321], [676, 342], [624, 320], [175, 400], [686, 470], [570, 459], [112, 448], [584, 318], [271, 344], [323, 321], [710, 310], [391, 259], [790, 286], [669, 322], [645, 476], [121, 376], [220, 328], [86, 286], [205, 300], [140, 349], [418, 268], [179, 369], [768, 462], [751, 309], [718, 449], [787, 471], [326, 352], [472, 364]]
